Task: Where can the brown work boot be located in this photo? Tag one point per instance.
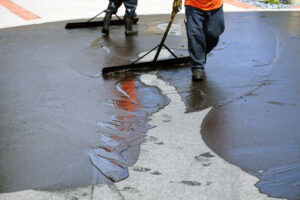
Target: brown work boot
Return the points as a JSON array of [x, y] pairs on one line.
[[198, 75], [128, 26], [106, 23]]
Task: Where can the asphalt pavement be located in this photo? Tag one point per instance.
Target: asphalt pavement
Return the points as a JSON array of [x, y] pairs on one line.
[[229, 137]]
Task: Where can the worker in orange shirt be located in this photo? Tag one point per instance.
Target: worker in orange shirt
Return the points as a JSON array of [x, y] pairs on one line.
[[204, 25]]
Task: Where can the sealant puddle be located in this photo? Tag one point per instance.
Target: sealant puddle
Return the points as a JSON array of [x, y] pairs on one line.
[[126, 128], [282, 182]]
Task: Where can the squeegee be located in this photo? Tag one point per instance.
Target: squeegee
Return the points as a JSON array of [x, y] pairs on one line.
[[155, 63], [90, 23]]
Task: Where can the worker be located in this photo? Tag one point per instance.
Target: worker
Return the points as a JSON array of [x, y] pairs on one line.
[[204, 25], [130, 14]]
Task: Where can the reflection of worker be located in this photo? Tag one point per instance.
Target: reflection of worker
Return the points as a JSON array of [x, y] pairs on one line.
[[130, 14], [204, 25]]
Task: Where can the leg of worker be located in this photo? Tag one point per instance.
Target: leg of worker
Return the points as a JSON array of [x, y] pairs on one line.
[[112, 8], [214, 28], [130, 6], [130, 14], [195, 19]]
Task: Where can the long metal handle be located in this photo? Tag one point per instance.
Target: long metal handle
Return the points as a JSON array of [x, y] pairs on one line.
[[165, 35], [96, 16]]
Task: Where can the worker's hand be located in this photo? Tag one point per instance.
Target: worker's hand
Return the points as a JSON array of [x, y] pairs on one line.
[[177, 5]]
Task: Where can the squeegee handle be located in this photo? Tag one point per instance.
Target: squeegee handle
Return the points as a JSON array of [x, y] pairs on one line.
[[165, 35], [96, 15]]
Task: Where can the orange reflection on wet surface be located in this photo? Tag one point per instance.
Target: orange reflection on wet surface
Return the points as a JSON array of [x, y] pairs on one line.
[[129, 102], [126, 133]]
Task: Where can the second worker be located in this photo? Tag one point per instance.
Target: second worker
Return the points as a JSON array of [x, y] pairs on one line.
[[130, 14]]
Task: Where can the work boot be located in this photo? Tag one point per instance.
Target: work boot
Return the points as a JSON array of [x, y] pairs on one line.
[[128, 26], [198, 75], [106, 23]]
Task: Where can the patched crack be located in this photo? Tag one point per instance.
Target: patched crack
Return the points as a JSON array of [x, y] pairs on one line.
[[263, 83]]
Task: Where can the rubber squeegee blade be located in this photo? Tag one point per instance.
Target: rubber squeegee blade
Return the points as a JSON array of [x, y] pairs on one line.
[[148, 65]]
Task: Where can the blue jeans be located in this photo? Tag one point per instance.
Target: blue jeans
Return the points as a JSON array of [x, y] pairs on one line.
[[130, 6], [203, 30]]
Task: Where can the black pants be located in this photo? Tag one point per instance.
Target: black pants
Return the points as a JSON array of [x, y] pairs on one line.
[[203, 31], [130, 6]]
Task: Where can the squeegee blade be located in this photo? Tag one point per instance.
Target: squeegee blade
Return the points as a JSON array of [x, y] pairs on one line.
[[74, 25], [147, 65]]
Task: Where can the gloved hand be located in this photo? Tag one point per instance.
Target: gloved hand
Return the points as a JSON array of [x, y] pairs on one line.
[[177, 5]]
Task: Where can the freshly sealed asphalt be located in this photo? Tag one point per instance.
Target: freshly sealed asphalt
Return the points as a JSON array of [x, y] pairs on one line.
[[56, 108]]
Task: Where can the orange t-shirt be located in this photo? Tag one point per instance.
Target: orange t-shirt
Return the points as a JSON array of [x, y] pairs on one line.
[[205, 4]]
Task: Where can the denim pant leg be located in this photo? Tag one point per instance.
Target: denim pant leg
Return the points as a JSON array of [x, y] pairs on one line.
[[203, 31], [214, 28], [130, 6], [195, 19], [113, 6]]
